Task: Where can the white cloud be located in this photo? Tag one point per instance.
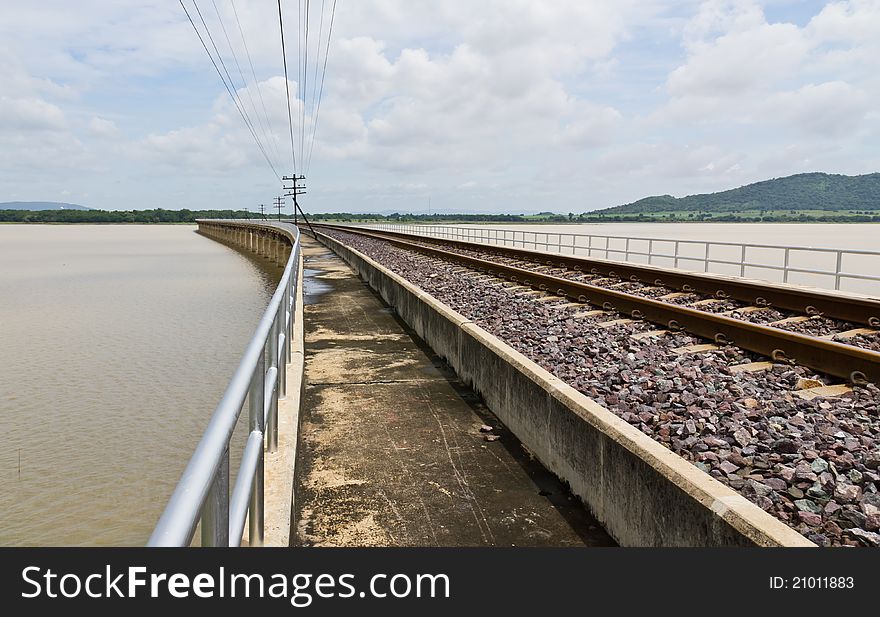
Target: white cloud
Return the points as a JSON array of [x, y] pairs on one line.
[[564, 98], [102, 128], [832, 109], [27, 114], [747, 53]]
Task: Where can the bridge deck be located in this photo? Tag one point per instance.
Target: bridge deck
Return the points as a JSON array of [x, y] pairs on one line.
[[391, 451]]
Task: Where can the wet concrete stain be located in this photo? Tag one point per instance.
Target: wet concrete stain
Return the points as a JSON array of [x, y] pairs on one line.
[[391, 450], [313, 286]]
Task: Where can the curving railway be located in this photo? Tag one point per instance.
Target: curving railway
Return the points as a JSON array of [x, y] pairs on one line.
[[835, 334], [787, 413]]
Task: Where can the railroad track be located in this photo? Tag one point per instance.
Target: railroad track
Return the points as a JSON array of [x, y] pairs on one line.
[[601, 282]]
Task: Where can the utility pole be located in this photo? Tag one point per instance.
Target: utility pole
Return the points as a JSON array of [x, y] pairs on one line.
[[294, 191], [279, 203], [262, 212]]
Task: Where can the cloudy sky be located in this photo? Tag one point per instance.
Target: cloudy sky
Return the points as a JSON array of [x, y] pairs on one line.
[[497, 105]]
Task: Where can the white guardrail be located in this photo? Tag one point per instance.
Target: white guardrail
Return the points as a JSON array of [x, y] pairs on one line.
[[828, 268], [203, 495]]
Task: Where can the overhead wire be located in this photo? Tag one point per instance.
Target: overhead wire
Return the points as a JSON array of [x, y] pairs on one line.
[[321, 90], [317, 63], [244, 83], [226, 85], [233, 89], [257, 82], [302, 128], [287, 86], [310, 100]]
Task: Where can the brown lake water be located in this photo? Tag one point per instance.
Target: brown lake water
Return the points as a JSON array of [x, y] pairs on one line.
[[116, 342]]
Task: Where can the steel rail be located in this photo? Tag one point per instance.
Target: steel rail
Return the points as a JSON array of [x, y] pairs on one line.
[[860, 310], [829, 357], [202, 494]]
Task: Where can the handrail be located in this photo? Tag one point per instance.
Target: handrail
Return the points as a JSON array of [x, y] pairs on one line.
[[203, 490], [552, 241]]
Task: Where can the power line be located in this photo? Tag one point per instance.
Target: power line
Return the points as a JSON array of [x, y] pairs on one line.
[[231, 87], [286, 85], [228, 89], [315, 78], [318, 55], [321, 91], [256, 81], [240, 72], [302, 128]]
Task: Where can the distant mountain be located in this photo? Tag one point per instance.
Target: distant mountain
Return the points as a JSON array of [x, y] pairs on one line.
[[812, 191], [39, 205]]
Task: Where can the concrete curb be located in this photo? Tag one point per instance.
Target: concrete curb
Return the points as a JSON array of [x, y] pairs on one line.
[[643, 493]]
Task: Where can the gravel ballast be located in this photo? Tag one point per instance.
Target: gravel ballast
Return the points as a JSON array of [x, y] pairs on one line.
[[816, 325], [811, 463]]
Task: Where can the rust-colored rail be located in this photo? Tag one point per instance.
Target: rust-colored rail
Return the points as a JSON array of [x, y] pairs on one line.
[[825, 356]]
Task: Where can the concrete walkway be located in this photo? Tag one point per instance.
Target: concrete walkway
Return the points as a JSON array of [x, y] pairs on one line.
[[391, 452]]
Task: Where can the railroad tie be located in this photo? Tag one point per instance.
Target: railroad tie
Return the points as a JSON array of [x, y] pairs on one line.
[[595, 313], [826, 391], [615, 322], [850, 333], [673, 295], [795, 319], [638, 336], [705, 302], [745, 310], [696, 348], [751, 367], [568, 305]]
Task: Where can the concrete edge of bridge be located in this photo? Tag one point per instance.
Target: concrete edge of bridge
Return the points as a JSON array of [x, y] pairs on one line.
[[641, 492]]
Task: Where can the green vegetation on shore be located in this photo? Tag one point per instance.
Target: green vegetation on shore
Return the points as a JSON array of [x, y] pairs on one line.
[[158, 215], [189, 216], [749, 216], [802, 198]]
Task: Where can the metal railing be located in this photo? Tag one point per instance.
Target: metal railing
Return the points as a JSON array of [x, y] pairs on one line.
[[202, 494], [695, 255]]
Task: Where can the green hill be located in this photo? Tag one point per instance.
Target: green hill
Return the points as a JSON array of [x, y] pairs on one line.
[[802, 192]]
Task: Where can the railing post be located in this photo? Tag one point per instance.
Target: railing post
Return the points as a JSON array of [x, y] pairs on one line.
[[785, 266], [650, 250], [255, 422], [675, 262], [837, 270], [283, 313], [626, 255], [272, 421], [706, 258], [215, 512], [742, 261]]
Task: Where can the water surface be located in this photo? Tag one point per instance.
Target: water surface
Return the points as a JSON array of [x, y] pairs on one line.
[[116, 343]]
